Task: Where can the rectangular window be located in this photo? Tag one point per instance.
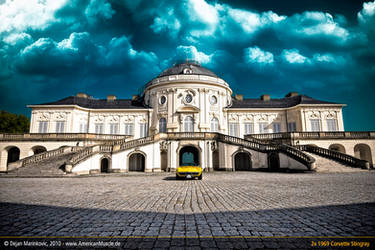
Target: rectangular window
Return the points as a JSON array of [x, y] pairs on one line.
[[113, 128], [43, 127], [60, 127], [188, 124], [276, 127], [214, 125], [331, 125], [99, 128], [83, 128], [233, 129], [292, 127], [249, 128], [263, 128], [129, 129], [315, 124], [143, 129]]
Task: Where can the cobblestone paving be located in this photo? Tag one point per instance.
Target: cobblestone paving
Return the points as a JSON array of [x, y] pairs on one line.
[[241, 205]]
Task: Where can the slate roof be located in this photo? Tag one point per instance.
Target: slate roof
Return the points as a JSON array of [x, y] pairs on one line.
[[178, 69], [99, 103], [277, 103]]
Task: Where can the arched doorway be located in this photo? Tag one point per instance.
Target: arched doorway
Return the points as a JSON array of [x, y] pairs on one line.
[[163, 160], [189, 156], [38, 149], [242, 161], [137, 162], [104, 165], [273, 161], [337, 147], [363, 152], [13, 154], [215, 160]]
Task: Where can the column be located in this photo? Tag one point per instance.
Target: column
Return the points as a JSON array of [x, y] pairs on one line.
[[209, 157]]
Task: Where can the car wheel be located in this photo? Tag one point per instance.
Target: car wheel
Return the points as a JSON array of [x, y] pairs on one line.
[[178, 177], [200, 177]]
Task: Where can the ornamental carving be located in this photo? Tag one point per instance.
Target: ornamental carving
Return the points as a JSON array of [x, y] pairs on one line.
[[248, 117], [164, 146], [331, 115], [142, 119], [161, 114], [233, 117], [171, 90], [213, 146], [263, 117], [114, 118], [314, 115], [214, 115], [60, 116], [128, 118], [99, 118], [83, 118], [44, 116]]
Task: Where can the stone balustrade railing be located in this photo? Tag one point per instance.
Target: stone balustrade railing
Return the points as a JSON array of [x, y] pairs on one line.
[[298, 155], [315, 135], [59, 136], [83, 154], [246, 143], [42, 156], [106, 148], [186, 78], [337, 156], [288, 150], [137, 142]]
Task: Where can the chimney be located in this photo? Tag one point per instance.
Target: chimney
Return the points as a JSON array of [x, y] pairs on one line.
[[238, 97], [135, 97], [265, 97], [82, 95], [111, 98], [291, 94]]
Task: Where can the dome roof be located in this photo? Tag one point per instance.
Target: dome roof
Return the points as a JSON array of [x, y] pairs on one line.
[[187, 68]]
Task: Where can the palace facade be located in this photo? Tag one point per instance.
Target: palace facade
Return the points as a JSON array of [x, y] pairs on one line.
[[187, 113]]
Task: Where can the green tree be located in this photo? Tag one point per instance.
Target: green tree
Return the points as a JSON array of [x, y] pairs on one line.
[[12, 123]]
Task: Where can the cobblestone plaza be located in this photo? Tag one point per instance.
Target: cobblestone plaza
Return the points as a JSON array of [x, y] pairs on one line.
[[170, 213]]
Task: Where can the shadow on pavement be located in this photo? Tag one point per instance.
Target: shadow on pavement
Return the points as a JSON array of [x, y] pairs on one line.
[[290, 228]]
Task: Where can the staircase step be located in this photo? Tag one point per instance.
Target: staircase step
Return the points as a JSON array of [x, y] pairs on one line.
[[47, 167], [326, 165]]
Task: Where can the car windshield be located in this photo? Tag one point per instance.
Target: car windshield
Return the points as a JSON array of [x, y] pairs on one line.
[[188, 164]]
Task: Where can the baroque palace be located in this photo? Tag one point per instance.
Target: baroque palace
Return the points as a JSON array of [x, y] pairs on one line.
[[186, 114]]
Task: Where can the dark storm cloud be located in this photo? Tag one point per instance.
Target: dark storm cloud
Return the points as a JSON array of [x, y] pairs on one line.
[[55, 48]]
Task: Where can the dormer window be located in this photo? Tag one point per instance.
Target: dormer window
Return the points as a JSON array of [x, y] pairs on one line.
[[187, 71]]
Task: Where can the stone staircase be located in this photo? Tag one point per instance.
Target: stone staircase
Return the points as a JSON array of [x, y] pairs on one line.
[[63, 160], [325, 165], [53, 166]]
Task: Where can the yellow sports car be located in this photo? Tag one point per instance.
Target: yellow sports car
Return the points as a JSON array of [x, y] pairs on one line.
[[189, 172]]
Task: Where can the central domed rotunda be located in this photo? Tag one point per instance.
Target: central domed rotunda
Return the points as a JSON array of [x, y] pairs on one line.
[[186, 72], [190, 83]]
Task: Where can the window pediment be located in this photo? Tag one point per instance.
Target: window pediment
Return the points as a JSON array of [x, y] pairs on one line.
[[188, 109]]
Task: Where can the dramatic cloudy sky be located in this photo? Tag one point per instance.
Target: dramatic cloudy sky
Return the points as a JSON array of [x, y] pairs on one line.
[[50, 49]]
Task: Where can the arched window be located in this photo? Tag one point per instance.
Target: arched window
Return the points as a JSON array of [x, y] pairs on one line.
[[214, 125], [162, 125], [189, 124]]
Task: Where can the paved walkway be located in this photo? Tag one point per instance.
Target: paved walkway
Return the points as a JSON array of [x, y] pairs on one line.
[[223, 205]]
